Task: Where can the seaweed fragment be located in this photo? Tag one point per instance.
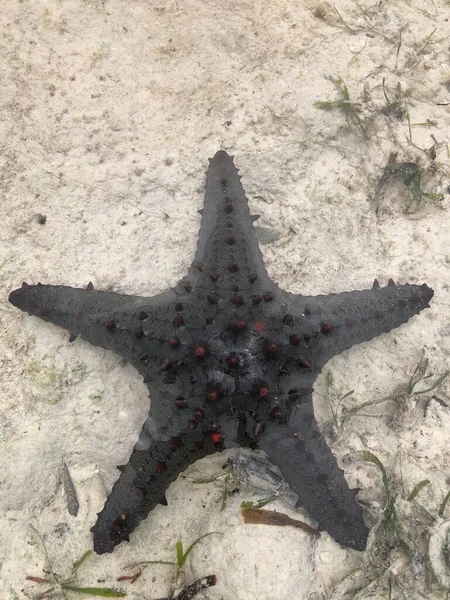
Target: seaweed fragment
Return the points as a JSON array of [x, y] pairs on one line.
[[394, 106], [350, 109], [181, 555], [420, 382], [187, 592], [391, 537], [62, 586], [411, 174], [370, 457], [444, 504], [417, 489], [271, 517]]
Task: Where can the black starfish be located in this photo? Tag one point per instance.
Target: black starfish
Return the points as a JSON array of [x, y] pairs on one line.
[[229, 359]]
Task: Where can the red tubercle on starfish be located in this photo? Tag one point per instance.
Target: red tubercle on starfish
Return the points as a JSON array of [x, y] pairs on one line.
[[178, 321], [180, 402], [271, 348], [212, 298], [164, 365], [198, 413], [139, 494], [200, 350], [174, 342], [326, 328], [276, 413], [110, 326], [237, 325], [295, 339], [237, 300], [232, 359], [260, 326], [261, 391], [120, 522], [213, 391], [304, 363]]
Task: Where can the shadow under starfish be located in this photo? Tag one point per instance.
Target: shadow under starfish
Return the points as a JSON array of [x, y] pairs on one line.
[[229, 359]]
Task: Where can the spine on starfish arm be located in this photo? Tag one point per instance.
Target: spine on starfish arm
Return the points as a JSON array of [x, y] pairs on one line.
[[96, 316]]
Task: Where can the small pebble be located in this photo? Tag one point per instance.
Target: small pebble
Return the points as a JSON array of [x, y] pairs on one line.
[[326, 557]]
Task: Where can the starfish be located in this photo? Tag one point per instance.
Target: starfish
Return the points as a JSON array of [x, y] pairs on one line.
[[230, 360]]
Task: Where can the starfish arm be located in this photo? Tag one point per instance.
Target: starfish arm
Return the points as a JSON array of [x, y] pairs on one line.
[[113, 321], [336, 322], [161, 453], [306, 462], [227, 241]]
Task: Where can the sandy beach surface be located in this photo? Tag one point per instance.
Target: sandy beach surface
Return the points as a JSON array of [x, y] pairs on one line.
[[109, 113]]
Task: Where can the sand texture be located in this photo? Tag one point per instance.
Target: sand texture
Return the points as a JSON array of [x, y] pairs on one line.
[[109, 111]]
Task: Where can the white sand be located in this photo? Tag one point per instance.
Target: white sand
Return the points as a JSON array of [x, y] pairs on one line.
[[109, 112]]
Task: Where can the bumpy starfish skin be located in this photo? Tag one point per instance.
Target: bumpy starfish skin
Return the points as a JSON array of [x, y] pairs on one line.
[[229, 359]]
